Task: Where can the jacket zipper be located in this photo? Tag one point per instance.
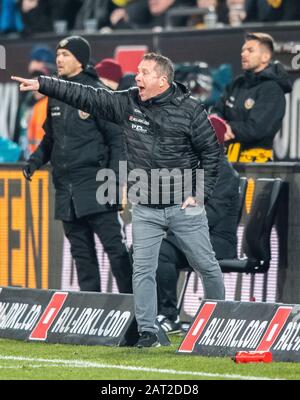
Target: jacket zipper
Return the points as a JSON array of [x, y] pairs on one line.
[[64, 136]]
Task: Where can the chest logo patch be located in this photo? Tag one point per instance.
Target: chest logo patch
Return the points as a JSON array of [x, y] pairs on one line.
[[249, 103], [83, 115]]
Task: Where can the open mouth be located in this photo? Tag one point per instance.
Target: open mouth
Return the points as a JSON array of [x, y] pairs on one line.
[[141, 90]]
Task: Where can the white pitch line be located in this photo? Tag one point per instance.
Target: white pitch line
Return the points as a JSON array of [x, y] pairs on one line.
[[37, 366], [87, 364]]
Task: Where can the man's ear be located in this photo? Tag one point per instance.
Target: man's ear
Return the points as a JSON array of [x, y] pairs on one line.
[[163, 81], [266, 57]]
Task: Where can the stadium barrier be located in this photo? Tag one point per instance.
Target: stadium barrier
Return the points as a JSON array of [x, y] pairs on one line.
[[35, 254], [69, 317], [222, 329]]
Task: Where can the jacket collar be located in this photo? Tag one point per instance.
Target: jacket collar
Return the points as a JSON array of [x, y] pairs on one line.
[[175, 94], [76, 78], [89, 71]]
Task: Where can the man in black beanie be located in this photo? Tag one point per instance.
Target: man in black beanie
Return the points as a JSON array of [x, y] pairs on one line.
[[78, 146], [78, 46]]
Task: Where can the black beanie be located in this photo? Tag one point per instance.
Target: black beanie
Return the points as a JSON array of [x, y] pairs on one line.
[[78, 46]]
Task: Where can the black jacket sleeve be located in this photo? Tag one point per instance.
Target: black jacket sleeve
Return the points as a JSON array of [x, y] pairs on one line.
[[225, 198], [43, 153], [107, 104], [267, 113], [206, 146]]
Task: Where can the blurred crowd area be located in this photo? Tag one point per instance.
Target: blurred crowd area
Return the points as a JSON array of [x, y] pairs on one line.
[[27, 17], [205, 83]]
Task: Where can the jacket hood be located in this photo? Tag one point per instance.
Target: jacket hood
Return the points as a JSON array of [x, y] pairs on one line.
[[181, 92], [274, 72], [90, 71]]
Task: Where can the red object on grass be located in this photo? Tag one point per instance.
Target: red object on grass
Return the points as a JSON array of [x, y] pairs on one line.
[[252, 356]]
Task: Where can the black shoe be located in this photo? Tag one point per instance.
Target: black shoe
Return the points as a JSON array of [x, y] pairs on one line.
[[148, 339], [169, 326]]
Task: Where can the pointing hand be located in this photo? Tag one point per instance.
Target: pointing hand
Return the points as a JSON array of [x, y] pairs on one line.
[[26, 84]]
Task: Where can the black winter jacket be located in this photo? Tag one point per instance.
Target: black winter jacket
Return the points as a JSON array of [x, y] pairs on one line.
[[254, 106], [78, 146], [169, 131], [222, 212]]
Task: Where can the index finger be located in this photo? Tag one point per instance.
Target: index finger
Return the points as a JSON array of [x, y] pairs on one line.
[[18, 79]]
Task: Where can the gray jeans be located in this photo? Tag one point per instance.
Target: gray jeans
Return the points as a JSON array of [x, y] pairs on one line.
[[191, 230]]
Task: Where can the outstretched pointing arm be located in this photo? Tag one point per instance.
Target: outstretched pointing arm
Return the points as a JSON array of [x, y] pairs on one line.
[[107, 104]]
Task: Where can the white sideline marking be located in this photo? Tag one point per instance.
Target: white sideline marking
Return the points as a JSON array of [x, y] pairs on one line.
[[29, 366], [87, 364]]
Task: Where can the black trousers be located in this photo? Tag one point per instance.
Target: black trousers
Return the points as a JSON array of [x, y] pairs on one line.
[[108, 227]]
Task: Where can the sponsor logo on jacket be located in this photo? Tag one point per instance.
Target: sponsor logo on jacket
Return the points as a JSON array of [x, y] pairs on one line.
[[136, 121], [230, 102], [55, 112]]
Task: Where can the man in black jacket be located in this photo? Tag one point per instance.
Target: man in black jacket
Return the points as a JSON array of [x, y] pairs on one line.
[[167, 135], [254, 104], [78, 146]]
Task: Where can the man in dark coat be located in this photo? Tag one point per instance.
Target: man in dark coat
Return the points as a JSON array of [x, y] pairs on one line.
[[167, 135], [78, 146], [254, 104]]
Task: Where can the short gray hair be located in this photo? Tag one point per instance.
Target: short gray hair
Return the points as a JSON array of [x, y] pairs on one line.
[[164, 65]]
